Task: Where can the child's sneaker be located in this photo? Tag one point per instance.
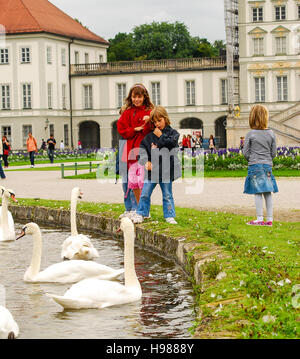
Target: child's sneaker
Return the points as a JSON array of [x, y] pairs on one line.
[[269, 223], [256, 223], [125, 214], [171, 220], [137, 218], [148, 217]]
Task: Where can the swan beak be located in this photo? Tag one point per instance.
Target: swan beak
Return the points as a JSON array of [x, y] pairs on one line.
[[80, 195], [13, 197], [22, 234], [118, 230]]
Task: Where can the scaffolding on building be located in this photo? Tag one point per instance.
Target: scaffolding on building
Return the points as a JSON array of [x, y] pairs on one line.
[[231, 12]]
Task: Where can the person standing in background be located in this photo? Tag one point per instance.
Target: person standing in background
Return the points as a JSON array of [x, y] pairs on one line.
[[51, 147], [62, 145], [2, 175], [6, 149], [31, 148]]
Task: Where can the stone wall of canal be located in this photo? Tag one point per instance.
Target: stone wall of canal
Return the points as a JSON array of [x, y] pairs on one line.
[[187, 255]]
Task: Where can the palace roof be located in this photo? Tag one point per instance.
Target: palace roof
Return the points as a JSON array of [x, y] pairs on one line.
[[34, 16]]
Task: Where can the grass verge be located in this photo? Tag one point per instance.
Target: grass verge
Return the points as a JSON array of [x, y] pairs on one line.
[[211, 174], [259, 293]]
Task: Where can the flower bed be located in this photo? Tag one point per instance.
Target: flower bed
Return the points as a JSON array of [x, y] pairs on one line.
[[233, 159], [225, 159]]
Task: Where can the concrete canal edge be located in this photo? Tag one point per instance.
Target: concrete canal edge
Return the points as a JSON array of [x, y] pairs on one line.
[[178, 250]]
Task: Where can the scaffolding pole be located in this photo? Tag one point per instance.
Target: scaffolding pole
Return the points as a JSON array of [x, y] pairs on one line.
[[232, 50]]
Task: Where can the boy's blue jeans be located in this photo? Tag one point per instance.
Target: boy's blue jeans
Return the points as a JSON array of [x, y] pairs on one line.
[[168, 200], [129, 201]]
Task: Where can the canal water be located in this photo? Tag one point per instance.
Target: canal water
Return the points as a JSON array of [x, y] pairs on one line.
[[166, 309]]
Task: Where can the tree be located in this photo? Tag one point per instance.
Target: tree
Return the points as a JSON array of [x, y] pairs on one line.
[[121, 48], [203, 48], [162, 40]]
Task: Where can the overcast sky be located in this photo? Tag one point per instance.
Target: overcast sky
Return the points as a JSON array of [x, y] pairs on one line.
[[204, 18]]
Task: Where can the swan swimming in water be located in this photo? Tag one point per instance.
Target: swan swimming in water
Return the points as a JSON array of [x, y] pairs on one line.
[[63, 272], [94, 293], [7, 226], [9, 329], [77, 246]]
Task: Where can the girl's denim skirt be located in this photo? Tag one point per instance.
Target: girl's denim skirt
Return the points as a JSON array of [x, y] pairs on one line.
[[260, 179]]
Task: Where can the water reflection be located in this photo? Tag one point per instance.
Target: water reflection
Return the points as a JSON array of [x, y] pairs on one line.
[[165, 310]]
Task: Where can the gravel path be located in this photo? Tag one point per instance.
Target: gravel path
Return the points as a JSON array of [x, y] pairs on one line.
[[218, 194]]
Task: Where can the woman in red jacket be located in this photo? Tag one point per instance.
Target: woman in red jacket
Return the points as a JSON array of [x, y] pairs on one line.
[[133, 126]]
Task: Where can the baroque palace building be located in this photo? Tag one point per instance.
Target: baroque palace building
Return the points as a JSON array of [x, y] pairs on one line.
[[54, 78]]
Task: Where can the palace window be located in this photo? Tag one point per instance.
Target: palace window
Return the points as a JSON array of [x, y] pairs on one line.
[[190, 93], [25, 55], [6, 131], [63, 92], [51, 129], [50, 99], [26, 95], [25, 130], [86, 58], [76, 57], [280, 45], [3, 56], [121, 94], [5, 97], [260, 90], [280, 12], [63, 57], [88, 97], [282, 88], [66, 135], [298, 11], [257, 14], [100, 58], [224, 89], [49, 55], [155, 93], [258, 46]]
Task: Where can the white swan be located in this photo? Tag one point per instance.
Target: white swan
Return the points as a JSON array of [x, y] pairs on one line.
[[7, 226], [77, 246], [94, 293], [64, 272], [8, 327]]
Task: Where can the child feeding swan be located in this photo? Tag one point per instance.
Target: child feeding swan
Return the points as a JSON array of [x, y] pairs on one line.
[[95, 293]]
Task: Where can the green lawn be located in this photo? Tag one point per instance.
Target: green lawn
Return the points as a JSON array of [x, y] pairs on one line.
[[255, 299]]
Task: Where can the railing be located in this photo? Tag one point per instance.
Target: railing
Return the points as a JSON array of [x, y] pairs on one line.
[[284, 129], [187, 64], [287, 113], [277, 126], [76, 167]]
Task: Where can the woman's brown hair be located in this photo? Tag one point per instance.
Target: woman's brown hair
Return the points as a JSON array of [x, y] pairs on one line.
[[258, 118], [159, 112], [138, 89]]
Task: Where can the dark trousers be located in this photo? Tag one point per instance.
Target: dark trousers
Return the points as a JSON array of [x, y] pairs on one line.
[[51, 155], [5, 157], [31, 156], [2, 175]]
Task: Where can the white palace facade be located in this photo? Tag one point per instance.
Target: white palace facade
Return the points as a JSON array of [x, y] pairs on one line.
[[55, 78]]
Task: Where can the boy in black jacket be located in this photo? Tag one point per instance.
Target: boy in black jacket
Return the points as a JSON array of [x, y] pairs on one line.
[[159, 154]]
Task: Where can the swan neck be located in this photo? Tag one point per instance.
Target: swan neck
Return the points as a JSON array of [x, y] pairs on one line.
[[130, 274], [35, 264], [4, 215], [73, 215]]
